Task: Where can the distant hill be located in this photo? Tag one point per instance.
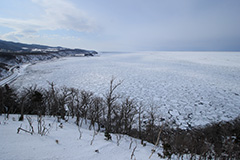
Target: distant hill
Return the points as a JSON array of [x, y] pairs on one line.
[[21, 47], [12, 53], [13, 46]]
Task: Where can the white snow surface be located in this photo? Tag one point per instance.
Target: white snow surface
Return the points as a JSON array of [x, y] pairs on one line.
[[191, 88], [24, 146]]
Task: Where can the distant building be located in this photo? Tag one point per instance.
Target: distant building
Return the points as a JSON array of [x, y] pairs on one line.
[[79, 55]]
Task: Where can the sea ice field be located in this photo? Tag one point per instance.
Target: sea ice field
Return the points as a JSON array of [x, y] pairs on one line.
[[188, 88]]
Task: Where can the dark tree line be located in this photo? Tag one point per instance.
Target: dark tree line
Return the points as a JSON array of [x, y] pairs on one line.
[[214, 141], [8, 100], [125, 116]]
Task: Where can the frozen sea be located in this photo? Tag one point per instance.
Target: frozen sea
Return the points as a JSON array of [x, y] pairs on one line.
[[192, 88]]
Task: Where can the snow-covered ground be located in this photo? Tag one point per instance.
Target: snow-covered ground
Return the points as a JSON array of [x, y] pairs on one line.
[[190, 87], [24, 146]]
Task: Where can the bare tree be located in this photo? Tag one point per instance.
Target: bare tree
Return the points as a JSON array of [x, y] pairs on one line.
[[72, 100], [110, 100], [9, 100], [140, 112], [96, 111], [51, 99], [62, 101], [86, 100], [124, 115], [31, 101], [117, 118], [129, 112], [22, 100], [151, 123], [77, 106]]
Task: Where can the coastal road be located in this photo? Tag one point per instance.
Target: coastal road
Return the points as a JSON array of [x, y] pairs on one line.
[[14, 74]]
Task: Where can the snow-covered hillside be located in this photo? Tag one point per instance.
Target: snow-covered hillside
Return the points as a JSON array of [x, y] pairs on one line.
[[64, 143], [192, 88]]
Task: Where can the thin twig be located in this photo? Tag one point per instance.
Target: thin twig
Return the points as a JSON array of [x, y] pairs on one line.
[[20, 128], [130, 146], [133, 151], [80, 133], [157, 142], [94, 134]]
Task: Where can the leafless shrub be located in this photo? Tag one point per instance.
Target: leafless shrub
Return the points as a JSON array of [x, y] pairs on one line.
[[119, 137], [80, 132], [131, 142], [42, 127], [21, 129], [31, 129], [133, 155], [157, 141], [30, 122], [94, 134]]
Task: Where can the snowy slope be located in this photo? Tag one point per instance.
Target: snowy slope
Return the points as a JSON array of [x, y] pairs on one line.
[[192, 88], [24, 146]]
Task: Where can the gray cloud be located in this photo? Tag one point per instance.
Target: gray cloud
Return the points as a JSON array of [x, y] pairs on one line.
[[135, 24], [57, 14], [60, 14]]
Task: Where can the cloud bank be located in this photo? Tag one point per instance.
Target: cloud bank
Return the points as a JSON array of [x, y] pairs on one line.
[[125, 25], [56, 15]]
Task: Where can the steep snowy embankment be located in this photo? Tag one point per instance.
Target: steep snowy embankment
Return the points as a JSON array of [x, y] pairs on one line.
[[24, 146]]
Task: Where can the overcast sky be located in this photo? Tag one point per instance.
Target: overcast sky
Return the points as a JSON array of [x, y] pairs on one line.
[[123, 25]]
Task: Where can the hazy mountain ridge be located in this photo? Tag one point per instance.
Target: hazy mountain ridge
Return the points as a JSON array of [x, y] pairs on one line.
[[14, 46], [12, 53]]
